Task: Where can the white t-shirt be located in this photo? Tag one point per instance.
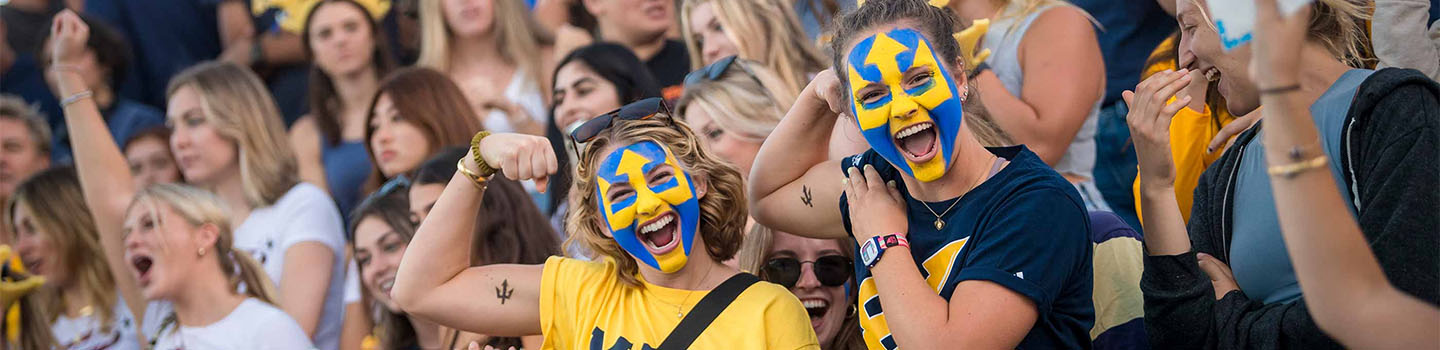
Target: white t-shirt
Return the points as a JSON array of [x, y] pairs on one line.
[[87, 332], [304, 214], [352, 283], [524, 92], [252, 325]]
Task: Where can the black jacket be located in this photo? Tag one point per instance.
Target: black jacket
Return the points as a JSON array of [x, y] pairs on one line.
[[1389, 159]]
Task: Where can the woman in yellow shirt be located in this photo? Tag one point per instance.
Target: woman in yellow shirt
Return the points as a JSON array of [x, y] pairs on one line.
[[659, 210]]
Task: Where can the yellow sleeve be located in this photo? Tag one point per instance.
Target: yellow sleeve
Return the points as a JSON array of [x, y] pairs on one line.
[[787, 323]]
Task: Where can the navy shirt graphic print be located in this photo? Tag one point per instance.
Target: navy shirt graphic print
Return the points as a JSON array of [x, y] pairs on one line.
[[1025, 228]]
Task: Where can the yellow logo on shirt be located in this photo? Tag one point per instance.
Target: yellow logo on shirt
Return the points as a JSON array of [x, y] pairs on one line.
[[937, 270]]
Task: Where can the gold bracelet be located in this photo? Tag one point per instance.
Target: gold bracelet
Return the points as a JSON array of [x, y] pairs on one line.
[[1291, 170], [477, 180], [485, 170]]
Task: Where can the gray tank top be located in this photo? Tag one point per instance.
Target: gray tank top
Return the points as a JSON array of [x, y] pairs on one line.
[[1003, 40]]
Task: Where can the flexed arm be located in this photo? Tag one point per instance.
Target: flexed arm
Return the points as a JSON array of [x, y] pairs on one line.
[[435, 280], [793, 188]]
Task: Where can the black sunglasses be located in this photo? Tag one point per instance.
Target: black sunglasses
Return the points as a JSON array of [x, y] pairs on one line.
[[716, 70], [638, 110], [830, 270]]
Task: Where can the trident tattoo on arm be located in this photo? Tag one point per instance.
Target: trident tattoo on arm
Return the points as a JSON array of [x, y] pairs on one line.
[[504, 291]]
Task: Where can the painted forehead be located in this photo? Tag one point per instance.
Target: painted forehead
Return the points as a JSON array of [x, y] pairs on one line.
[[643, 156], [902, 47]]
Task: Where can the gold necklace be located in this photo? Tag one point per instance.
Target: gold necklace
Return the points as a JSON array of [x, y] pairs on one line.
[[688, 294], [939, 218]]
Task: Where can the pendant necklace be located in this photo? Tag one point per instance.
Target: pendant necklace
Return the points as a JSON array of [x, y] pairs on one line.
[[940, 218]]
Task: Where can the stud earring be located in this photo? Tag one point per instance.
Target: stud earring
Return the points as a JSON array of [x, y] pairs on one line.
[[201, 251]]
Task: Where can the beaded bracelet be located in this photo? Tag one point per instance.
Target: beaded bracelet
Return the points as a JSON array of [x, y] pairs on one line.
[[484, 169]]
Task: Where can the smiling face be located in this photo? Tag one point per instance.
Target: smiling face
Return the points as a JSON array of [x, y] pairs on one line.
[[825, 304], [581, 94], [162, 249], [710, 35], [468, 18], [905, 102], [378, 249], [37, 249], [151, 162], [398, 145], [203, 154], [1200, 49], [340, 38], [646, 200]]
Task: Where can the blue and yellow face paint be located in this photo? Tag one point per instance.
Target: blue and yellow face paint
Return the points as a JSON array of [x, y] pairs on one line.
[[884, 59], [661, 189]]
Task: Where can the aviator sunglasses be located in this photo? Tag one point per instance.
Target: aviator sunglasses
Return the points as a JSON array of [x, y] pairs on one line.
[[830, 270]]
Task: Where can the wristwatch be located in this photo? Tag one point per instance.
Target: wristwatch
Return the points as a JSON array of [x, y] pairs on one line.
[[875, 246]]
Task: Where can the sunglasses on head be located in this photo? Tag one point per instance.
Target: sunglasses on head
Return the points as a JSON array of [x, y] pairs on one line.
[[639, 110], [830, 270], [714, 71]]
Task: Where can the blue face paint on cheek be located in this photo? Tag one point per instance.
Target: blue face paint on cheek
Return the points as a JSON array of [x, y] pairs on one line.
[[897, 81], [636, 201]]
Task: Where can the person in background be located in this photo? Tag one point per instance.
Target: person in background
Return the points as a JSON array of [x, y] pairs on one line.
[[728, 105], [1043, 82], [1225, 279], [103, 65], [1402, 39], [589, 82], [648, 278], [642, 26], [498, 55], [1343, 281], [274, 46], [764, 31], [22, 26], [228, 137], [508, 230], [350, 58], [148, 153], [818, 271], [88, 304], [964, 246], [24, 147], [415, 113], [381, 228], [816, 17], [168, 36], [1127, 30]]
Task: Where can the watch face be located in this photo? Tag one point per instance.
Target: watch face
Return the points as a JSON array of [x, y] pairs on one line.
[[868, 253]]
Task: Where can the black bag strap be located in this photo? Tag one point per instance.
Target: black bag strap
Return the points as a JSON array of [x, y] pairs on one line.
[[706, 310]]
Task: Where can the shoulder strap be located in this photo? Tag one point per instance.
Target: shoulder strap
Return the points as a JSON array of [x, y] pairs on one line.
[[706, 310]]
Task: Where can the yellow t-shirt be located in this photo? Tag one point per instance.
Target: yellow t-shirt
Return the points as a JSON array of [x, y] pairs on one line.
[[584, 305], [1190, 134]]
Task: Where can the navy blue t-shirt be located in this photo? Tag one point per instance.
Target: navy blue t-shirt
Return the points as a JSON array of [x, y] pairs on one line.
[[166, 37], [1128, 31], [1025, 229]]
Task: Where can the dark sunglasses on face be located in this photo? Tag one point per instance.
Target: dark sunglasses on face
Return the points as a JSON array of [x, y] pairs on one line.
[[639, 110], [716, 70], [830, 270]]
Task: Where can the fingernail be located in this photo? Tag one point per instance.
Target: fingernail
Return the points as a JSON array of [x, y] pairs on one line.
[[891, 183]]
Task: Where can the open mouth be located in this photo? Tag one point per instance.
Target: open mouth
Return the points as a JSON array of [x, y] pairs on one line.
[[386, 284], [142, 265], [816, 308], [918, 141], [658, 234], [1212, 74]]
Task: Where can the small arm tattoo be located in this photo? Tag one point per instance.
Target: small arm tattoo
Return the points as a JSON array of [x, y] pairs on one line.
[[806, 197], [504, 291]]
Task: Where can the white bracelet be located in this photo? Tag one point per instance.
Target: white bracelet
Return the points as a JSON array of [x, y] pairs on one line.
[[75, 98]]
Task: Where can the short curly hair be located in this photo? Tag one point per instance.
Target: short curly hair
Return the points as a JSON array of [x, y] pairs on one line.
[[14, 108], [722, 208]]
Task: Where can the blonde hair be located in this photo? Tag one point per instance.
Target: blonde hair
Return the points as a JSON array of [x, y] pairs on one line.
[[236, 103], [199, 207], [738, 101], [1337, 25], [766, 31], [58, 207], [517, 36], [722, 209]]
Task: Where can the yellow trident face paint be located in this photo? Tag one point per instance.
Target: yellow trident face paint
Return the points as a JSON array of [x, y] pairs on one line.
[[904, 102], [652, 211]]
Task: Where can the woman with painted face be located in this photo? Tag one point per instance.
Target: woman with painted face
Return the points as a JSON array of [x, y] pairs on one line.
[[589, 81], [996, 232], [228, 138], [818, 271], [350, 58], [84, 301], [1273, 255], [509, 230], [652, 202], [498, 55], [148, 153], [415, 113], [1043, 82]]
